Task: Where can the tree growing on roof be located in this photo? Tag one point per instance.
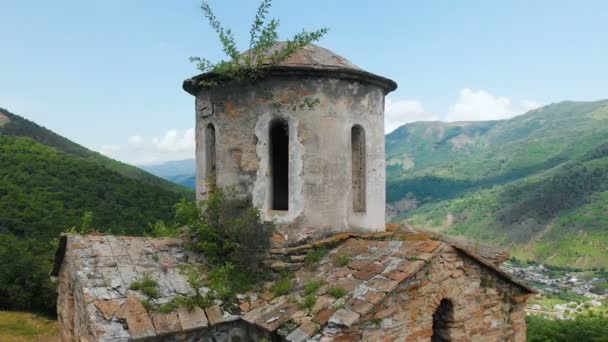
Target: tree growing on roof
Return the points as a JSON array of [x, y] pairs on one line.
[[263, 35]]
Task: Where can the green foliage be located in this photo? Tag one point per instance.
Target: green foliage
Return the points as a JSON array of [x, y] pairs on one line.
[[536, 184], [249, 66], [314, 256], [43, 191], [312, 286], [24, 275], [308, 302], [336, 292], [148, 305], [48, 184], [342, 260], [161, 229], [21, 127], [228, 231], [283, 286], [21, 326], [226, 281], [147, 286], [588, 327]]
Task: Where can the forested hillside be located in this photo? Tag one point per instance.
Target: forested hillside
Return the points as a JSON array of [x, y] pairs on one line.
[[47, 184], [16, 126], [537, 183]]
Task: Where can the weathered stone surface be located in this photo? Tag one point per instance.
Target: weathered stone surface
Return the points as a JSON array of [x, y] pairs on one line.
[[391, 294], [344, 317], [245, 115], [215, 314], [108, 307], [192, 319], [383, 284], [139, 323], [166, 323], [323, 316]]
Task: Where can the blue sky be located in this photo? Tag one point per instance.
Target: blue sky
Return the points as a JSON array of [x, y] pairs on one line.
[[107, 74]]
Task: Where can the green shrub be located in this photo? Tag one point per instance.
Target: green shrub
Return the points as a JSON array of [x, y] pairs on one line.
[[337, 292], [342, 260], [147, 305], [147, 286], [308, 302], [283, 286], [227, 230], [312, 286], [263, 36], [587, 327], [314, 256]]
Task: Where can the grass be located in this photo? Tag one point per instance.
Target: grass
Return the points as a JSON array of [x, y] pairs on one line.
[[342, 260], [337, 292], [22, 326], [312, 286], [283, 286], [308, 302], [147, 286], [314, 256]]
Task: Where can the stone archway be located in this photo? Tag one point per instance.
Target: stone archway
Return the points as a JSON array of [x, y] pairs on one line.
[[443, 319]]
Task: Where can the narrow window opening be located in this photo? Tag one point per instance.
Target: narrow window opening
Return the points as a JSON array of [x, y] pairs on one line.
[[442, 321], [358, 168], [279, 164], [210, 163]]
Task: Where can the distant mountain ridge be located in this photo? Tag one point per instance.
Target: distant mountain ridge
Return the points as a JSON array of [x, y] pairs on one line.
[[531, 183], [48, 184], [17, 126], [179, 171]]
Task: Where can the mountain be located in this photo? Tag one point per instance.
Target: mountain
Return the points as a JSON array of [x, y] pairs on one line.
[[180, 171], [536, 184], [47, 185]]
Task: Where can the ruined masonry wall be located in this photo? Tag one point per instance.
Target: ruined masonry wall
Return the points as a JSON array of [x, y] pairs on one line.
[[486, 308], [71, 305], [320, 175]]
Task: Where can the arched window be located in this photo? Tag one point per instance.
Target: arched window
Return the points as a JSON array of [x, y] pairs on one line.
[[442, 321], [278, 151], [210, 163], [358, 167]]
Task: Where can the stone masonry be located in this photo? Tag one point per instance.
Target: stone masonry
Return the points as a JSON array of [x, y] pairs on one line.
[[394, 284]]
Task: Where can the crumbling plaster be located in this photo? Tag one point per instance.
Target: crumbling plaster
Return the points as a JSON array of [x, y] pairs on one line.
[[320, 196]]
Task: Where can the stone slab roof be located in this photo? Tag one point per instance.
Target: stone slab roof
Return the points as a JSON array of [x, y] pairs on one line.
[[367, 268], [312, 60]]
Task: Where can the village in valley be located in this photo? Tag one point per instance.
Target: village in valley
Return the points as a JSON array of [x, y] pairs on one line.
[[562, 294]]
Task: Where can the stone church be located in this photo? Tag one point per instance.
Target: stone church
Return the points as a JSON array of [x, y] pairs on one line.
[[306, 144]]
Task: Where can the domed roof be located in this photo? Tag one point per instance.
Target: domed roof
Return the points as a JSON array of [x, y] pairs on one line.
[[311, 56], [310, 60]]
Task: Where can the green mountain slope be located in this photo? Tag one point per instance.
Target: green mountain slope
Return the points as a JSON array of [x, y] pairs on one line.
[[536, 183], [16, 126], [47, 184]]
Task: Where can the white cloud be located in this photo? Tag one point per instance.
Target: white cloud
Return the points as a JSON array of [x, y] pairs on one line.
[[172, 141], [136, 141], [400, 112], [109, 150], [172, 145], [481, 105]]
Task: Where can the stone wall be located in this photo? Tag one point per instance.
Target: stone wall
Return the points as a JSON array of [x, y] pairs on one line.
[[320, 175], [485, 307], [71, 306]]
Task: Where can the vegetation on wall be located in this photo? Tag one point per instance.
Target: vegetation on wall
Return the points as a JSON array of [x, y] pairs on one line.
[[263, 36], [231, 234]]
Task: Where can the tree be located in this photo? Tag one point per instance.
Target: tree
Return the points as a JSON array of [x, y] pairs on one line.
[[263, 36]]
